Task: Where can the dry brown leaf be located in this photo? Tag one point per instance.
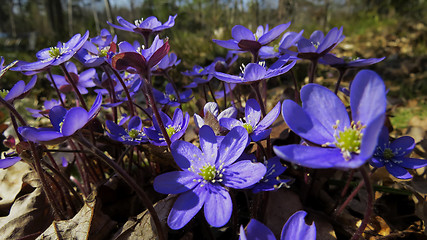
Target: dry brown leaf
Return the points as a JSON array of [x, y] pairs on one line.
[[29, 213], [11, 184], [143, 226], [88, 223]]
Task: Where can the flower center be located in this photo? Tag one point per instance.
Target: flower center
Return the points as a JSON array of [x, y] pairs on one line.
[[171, 97], [138, 22], [54, 52], [171, 130], [388, 154], [248, 127], [208, 172], [349, 140], [200, 70], [133, 133], [3, 93], [103, 52]]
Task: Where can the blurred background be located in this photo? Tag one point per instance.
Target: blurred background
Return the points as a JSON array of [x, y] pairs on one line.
[[396, 29]]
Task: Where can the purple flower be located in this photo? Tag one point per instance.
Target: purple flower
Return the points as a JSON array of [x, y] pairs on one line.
[[54, 56], [175, 127], [256, 72], [342, 63], [132, 136], [202, 74], [166, 64], [47, 105], [271, 180], [18, 91], [205, 176], [170, 97], [9, 160], [318, 44], [288, 40], [4, 69], [245, 40], [139, 60], [83, 80], [224, 64], [294, 229], [333, 140], [213, 110], [65, 123], [94, 52], [257, 130], [147, 27], [395, 155]]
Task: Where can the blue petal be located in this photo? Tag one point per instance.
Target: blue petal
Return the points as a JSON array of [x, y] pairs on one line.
[[230, 123], [9, 161], [240, 32], [218, 206], [273, 33], [208, 144], [322, 104], [243, 174], [114, 128], [135, 123], [376, 162], [367, 97], [175, 182], [397, 171], [37, 135], [187, 155], [230, 44], [96, 107], [303, 125], [228, 78], [259, 135], [232, 146], [370, 137], [254, 72], [412, 163], [269, 118], [256, 230], [252, 112], [186, 206], [296, 228], [56, 116], [305, 46], [317, 157], [75, 119], [404, 145], [15, 91]]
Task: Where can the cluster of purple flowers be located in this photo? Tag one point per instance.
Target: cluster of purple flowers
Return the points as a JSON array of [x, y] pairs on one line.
[[221, 160]]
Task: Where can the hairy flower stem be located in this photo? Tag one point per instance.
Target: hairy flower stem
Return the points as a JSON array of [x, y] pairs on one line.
[[341, 76], [130, 102], [255, 87], [46, 189], [111, 92], [313, 68], [212, 92], [352, 195], [369, 205], [149, 93], [225, 94], [128, 179], [347, 184], [73, 84], [56, 87], [294, 79]]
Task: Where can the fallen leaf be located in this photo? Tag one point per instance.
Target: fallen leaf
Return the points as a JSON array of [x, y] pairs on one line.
[[88, 223]]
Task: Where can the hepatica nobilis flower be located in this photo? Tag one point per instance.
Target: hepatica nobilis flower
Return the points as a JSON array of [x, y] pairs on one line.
[[205, 175], [94, 51], [83, 80], [170, 97], [335, 141], [175, 127], [294, 229], [65, 123], [145, 27], [18, 91], [394, 156], [271, 180], [256, 128], [245, 40], [132, 136], [54, 56], [254, 72], [47, 105], [346, 63], [212, 109], [318, 44]]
